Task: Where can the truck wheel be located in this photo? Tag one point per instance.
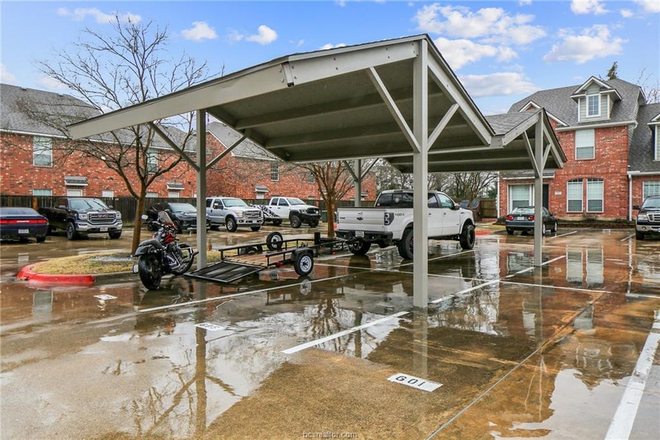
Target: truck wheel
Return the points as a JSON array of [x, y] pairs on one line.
[[274, 241], [639, 235], [296, 222], [405, 245], [359, 247], [230, 224], [71, 233], [313, 223], [509, 231], [114, 235], [277, 222], [41, 238], [255, 228], [304, 264], [468, 237]]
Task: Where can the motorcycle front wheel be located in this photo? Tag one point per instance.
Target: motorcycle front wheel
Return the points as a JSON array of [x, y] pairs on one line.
[[150, 270], [187, 260]]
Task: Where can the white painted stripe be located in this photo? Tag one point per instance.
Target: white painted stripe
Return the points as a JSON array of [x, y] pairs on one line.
[[624, 418], [462, 292], [626, 238], [532, 268], [549, 286], [306, 345], [643, 295], [563, 235], [235, 295]]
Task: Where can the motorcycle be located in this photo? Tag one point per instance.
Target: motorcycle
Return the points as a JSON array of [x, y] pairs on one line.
[[162, 254]]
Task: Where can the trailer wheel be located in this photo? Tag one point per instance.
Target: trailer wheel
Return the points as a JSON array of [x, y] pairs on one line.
[[304, 264], [359, 247], [274, 241]]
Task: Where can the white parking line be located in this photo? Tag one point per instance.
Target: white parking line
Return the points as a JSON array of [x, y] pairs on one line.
[[462, 292], [301, 347], [563, 235], [626, 238], [532, 268], [642, 295], [624, 418]]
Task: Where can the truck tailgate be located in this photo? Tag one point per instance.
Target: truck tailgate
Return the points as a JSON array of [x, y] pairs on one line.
[[361, 219]]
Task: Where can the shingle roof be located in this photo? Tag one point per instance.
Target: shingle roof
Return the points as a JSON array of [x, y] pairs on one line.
[[246, 149], [28, 110], [641, 148], [505, 122], [560, 104]]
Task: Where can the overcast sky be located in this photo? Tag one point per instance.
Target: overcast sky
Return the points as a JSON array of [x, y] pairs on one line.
[[502, 51]]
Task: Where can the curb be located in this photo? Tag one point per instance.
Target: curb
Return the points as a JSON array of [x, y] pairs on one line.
[[28, 274]]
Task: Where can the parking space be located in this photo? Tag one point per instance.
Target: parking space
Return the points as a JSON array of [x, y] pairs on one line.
[[519, 351]]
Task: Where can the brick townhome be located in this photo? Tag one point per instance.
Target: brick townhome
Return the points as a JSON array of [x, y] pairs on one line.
[[610, 136], [30, 165]]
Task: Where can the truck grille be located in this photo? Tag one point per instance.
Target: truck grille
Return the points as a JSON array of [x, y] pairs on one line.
[[654, 217], [253, 215], [102, 218], [312, 210]]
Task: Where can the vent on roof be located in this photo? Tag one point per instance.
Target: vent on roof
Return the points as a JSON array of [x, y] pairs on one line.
[[24, 89]]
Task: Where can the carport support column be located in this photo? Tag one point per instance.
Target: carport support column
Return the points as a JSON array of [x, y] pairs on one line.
[[201, 188], [420, 177], [538, 193], [358, 183]]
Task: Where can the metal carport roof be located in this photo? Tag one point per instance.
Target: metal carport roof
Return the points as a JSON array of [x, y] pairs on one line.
[[397, 99]]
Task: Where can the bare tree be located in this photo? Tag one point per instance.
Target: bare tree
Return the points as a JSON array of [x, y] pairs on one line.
[[470, 186], [388, 177], [334, 181], [651, 89], [126, 66]]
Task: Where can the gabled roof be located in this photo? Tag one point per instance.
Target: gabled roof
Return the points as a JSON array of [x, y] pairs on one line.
[[560, 104], [641, 148], [602, 84], [246, 149], [655, 119], [536, 106]]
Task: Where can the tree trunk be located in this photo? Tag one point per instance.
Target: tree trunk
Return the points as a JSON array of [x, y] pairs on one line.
[[137, 226], [331, 217]]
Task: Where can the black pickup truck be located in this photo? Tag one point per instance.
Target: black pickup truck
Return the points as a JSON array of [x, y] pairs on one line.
[[77, 216], [648, 218]]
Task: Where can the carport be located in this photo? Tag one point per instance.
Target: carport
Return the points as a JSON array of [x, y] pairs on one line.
[[394, 99]]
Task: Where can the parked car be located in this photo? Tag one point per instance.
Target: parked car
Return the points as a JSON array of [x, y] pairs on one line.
[[22, 223], [295, 210], [81, 215], [390, 221], [648, 218], [522, 219], [184, 215], [233, 212]]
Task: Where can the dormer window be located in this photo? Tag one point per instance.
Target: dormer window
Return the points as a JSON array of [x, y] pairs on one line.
[[593, 105]]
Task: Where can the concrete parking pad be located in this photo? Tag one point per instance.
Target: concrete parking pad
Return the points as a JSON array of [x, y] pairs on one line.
[[518, 351]]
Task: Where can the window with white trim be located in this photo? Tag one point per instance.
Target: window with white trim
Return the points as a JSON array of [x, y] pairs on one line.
[[651, 188], [74, 192], [152, 161], [274, 171], [585, 144], [151, 195], [108, 193], [595, 192], [42, 192], [593, 105], [519, 195], [574, 196], [42, 151], [173, 194]]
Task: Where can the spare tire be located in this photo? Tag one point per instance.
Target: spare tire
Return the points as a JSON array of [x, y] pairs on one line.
[[274, 241]]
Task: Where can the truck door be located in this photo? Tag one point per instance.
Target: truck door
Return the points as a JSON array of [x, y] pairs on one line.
[[60, 212], [283, 208], [220, 210], [212, 211], [435, 216], [451, 218]]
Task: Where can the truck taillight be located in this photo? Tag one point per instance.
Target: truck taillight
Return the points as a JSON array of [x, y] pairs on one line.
[[388, 218]]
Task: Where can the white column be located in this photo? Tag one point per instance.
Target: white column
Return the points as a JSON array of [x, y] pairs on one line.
[[358, 183], [420, 178], [201, 188], [538, 194]]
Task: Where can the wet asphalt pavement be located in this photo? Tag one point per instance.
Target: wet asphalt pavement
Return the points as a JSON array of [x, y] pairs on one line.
[[520, 352]]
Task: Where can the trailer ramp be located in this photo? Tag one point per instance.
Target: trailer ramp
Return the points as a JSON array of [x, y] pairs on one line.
[[225, 272]]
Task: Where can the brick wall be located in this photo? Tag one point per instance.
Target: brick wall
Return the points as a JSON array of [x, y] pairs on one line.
[[232, 176], [610, 164]]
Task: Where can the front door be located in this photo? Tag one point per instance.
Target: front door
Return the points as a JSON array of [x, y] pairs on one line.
[[546, 196], [435, 216], [451, 217]]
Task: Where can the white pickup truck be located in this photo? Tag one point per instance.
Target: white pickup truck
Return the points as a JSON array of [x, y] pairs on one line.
[[295, 210], [390, 222]]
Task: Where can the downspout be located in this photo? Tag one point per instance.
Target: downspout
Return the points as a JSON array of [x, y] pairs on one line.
[[629, 196], [497, 196]]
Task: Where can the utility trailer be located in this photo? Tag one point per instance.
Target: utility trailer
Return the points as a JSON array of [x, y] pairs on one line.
[[238, 262]]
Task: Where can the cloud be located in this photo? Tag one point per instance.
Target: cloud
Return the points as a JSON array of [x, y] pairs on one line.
[[593, 42], [462, 52], [497, 84], [626, 13], [524, 2], [297, 43], [649, 5], [588, 7], [50, 83], [331, 46], [265, 36], [340, 3], [79, 14], [6, 76], [494, 25], [200, 31]]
